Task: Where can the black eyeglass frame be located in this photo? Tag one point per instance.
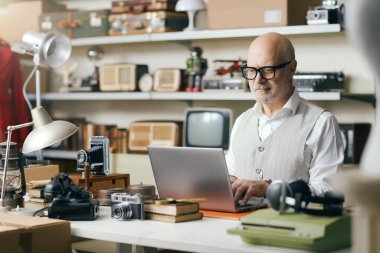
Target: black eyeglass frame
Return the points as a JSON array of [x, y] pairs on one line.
[[274, 68]]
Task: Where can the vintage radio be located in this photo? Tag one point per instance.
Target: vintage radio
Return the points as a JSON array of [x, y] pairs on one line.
[[224, 84], [148, 22], [323, 81], [168, 79], [355, 138], [155, 133], [121, 77], [139, 6], [77, 23]]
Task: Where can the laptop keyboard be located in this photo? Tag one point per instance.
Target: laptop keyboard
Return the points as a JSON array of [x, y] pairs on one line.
[[253, 204]]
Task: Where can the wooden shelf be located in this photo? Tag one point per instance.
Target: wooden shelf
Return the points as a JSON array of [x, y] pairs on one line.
[[130, 96], [206, 34]]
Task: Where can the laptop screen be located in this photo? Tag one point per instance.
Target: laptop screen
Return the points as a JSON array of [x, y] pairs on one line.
[[188, 172]]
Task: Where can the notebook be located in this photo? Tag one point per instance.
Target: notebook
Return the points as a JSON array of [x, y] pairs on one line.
[[188, 172]]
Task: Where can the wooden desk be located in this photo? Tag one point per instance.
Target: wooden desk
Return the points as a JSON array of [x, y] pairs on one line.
[[207, 235]]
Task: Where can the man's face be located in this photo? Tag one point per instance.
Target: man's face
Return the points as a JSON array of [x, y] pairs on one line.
[[276, 90]]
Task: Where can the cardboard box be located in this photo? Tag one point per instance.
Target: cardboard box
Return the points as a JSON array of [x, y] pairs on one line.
[[26, 234], [225, 14], [44, 172], [29, 11]]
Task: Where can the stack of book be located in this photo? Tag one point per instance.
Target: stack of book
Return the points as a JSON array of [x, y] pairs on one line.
[[36, 197], [178, 212]]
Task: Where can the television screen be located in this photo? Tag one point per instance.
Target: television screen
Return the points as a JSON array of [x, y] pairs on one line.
[[207, 127]]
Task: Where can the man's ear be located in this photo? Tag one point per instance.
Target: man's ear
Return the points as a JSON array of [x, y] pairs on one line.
[[293, 67]]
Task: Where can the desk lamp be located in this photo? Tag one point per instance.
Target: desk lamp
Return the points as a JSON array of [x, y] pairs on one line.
[[46, 132], [53, 50], [191, 7]]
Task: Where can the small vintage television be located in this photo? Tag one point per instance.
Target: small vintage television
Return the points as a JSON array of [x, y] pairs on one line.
[[207, 127], [121, 77]]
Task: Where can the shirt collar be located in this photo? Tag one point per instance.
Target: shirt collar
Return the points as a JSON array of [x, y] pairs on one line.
[[291, 104]]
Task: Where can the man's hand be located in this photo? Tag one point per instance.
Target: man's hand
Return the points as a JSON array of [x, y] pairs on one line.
[[248, 188]]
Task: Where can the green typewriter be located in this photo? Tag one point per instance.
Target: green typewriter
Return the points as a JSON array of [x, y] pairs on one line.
[[295, 230]]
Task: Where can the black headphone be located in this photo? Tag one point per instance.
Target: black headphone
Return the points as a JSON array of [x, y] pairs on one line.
[[297, 194]]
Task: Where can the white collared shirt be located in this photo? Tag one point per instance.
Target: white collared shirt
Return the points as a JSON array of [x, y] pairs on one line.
[[325, 142]]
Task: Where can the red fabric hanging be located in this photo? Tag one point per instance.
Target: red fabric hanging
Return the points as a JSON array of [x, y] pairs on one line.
[[13, 109]]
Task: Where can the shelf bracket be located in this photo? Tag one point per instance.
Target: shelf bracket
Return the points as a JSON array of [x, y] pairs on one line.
[[367, 98]]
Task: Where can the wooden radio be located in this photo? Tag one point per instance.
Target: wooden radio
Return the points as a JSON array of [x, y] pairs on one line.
[[150, 133], [121, 77], [168, 79]]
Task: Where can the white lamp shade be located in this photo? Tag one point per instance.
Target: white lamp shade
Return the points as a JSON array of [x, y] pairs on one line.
[[52, 48], [190, 5], [46, 132]]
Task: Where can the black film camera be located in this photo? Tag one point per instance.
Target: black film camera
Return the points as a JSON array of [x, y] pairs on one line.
[[328, 13], [69, 201], [97, 156], [126, 207]]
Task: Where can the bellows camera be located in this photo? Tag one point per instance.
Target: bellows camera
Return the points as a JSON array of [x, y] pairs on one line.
[[97, 156], [328, 13], [69, 201], [127, 207]]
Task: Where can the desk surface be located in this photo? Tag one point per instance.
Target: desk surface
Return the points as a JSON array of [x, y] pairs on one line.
[[206, 235]]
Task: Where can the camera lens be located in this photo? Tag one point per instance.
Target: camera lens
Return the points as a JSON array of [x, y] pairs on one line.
[[82, 157], [121, 211]]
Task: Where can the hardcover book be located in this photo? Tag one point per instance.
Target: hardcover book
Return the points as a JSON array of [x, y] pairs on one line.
[[174, 218], [172, 209]]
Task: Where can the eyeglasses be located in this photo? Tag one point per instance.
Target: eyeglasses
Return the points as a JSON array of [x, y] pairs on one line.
[[266, 72]]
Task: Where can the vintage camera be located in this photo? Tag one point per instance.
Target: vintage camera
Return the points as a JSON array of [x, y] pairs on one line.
[[69, 201], [127, 207], [97, 156], [328, 13]]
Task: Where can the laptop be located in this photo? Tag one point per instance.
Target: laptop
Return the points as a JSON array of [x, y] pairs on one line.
[[188, 172]]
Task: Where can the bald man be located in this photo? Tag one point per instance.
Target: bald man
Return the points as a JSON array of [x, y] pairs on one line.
[[283, 136]]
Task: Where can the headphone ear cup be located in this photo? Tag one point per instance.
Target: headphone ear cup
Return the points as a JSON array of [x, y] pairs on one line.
[[301, 194], [277, 193]]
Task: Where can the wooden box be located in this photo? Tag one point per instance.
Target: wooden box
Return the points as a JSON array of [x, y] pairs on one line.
[[139, 6], [76, 24], [114, 180]]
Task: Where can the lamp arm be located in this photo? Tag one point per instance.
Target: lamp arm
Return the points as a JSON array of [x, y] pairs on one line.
[[8, 143], [25, 85]]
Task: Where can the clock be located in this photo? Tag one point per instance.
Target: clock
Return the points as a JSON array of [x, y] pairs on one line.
[[146, 82]]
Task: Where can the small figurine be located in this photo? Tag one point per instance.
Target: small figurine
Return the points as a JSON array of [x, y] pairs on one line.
[[196, 68]]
